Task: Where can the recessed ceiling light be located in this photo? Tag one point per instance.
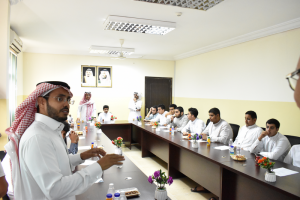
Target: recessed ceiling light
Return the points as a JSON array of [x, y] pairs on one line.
[[194, 4], [111, 50], [137, 25]]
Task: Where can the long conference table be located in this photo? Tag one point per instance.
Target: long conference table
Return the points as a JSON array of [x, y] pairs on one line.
[[211, 168], [115, 175]]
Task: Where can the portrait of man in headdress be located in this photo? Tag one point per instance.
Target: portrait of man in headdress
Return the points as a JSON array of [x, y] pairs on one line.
[[104, 77], [88, 76]]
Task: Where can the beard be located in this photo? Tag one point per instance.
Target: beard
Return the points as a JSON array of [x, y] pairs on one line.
[[52, 113]]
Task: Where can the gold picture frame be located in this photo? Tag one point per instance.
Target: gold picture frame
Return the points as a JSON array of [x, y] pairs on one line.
[[104, 76], [88, 79]]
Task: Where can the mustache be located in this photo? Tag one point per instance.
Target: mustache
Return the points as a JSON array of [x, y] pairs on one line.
[[65, 108]]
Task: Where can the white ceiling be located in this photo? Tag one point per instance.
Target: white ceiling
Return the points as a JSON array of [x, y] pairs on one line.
[[72, 26]]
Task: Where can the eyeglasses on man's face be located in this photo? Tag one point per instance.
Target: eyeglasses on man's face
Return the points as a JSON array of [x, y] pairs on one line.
[[60, 99], [293, 78]]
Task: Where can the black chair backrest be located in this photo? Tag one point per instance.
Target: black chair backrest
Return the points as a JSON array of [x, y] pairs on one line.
[[99, 113], [293, 139], [264, 129], [235, 130], [207, 122]]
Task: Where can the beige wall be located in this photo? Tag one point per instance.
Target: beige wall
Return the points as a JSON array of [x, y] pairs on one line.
[[127, 76], [248, 76]]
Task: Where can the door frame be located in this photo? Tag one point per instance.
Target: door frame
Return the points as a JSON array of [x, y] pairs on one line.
[[171, 89]]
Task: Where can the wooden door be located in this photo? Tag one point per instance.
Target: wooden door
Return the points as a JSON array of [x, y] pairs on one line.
[[158, 90]]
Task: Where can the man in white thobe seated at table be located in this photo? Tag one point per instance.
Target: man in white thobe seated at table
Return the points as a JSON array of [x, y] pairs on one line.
[[87, 108], [135, 106], [105, 116], [293, 157], [195, 125], [171, 114], [151, 114], [218, 129], [180, 120], [271, 143], [249, 133], [45, 166], [161, 117]]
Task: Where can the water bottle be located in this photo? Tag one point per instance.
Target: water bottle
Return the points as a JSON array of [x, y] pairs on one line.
[[172, 131], [117, 196], [123, 196], [111, 189], [231, 147], [238, 149]]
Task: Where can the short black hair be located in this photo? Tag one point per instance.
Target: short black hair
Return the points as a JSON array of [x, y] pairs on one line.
[[193, 111], [155, 107], [162, 106], [67, 126], [273, 121], [215, 111], [105, 106], [180, 109], [252, 114], [173, 106]]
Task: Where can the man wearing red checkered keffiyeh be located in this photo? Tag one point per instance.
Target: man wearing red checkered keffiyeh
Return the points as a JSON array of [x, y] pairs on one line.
[[41, 166], [86, 108]]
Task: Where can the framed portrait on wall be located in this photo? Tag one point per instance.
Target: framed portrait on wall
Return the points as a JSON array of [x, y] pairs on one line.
[[104, 76], [88, 76]]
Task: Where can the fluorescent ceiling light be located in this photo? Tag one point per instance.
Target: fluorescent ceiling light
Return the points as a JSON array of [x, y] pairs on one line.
[[111, 50], [136, 25], [194, 4]]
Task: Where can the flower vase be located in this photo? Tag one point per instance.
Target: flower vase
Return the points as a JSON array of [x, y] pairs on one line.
[[194, 144], [161, 194], [139, 123], [270, 177], [98, 134], [154, 127], [118, 150]]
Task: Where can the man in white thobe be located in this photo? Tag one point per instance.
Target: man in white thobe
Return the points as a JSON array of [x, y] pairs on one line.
[[3, 183], [293, 157], [271, 143], [180, 120], [151, 114], [45, 165], [218, 129], [105, 116], [161, 117], [87, 108], [249, 133], [171, 114], [135, 106], [195, 125]]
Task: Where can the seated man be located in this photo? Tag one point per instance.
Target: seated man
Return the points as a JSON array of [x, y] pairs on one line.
[[105, 116], [195, 125], [293, 157], [152, 114], [248, 133], [73, 137], [161, 118], [218, 129], [180, 120], [171, 114], [271, 143], [3, 183]]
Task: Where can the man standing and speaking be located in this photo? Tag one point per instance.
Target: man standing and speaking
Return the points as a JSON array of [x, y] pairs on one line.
[[45, 166]]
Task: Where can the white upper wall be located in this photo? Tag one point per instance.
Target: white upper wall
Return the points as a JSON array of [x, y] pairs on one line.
[[253, 70]]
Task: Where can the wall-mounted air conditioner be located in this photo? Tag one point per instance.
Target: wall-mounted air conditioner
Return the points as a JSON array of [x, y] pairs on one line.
[[15, 43]]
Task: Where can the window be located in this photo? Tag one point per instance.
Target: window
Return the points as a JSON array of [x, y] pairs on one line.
[[12, 84]]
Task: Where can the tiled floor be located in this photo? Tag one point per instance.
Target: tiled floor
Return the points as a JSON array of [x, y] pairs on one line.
[[179, 190]]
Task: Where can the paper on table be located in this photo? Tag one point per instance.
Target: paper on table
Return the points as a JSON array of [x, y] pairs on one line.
[[284, 172], [148, 124], [81, 138], [88, 162], [222, 148], [84, 147], [166, 130], [100, 180]]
